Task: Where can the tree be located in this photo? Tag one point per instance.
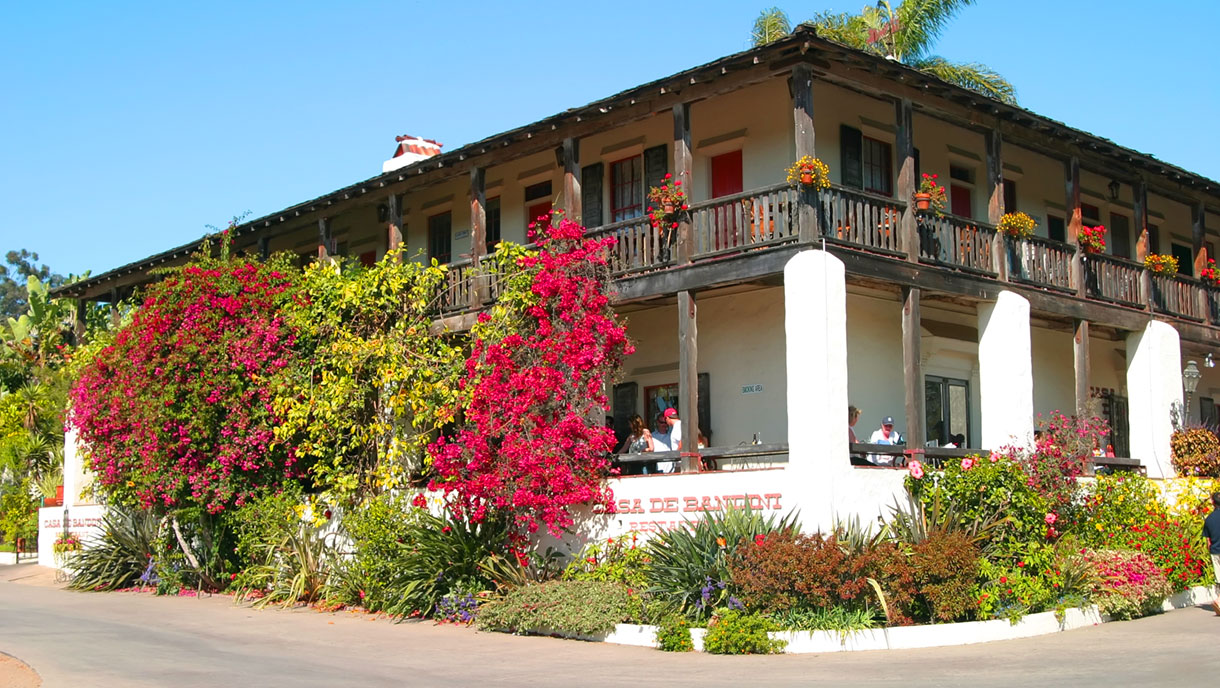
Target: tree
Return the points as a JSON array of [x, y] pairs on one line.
[[771, 25], [906, 33], [22, 265]]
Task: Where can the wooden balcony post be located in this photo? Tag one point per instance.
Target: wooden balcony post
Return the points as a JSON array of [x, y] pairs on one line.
[[905, 154], [995, 203], [394, 225], [1143, 246], [802, 119], [79, 323], [116, 317], [326, 241], [264, 248], [570, 154], [1198, 231], [688, 378], [478, 236], [912, 366], [1080, 358], [682, 173], [1075, 222]]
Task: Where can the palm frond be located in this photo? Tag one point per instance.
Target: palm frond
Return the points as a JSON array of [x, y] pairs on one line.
[[771, 25], [970, 75], [846, 28], [921, 23]]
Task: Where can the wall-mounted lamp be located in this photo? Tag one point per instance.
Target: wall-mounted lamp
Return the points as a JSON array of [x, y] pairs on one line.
[[1113, 186], [1209, 362]]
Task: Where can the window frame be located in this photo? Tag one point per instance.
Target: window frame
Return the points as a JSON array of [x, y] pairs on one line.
[[869, 166], [621, 213], [433, 235]]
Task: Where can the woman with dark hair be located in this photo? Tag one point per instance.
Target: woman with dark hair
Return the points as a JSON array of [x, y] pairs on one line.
[[640, 439]]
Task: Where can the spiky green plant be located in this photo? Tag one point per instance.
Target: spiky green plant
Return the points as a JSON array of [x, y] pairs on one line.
[[917, 520], [295, 569], [118, 557]]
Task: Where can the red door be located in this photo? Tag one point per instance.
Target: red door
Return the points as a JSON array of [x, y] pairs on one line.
[[959, 201], [536, 211], [726, 181]]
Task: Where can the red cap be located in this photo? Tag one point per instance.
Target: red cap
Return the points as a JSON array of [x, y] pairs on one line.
[[671, 412]]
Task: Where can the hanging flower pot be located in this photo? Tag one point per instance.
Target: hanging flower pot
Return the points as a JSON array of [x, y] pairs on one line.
[[806, 178], [669, 208], [923, 201]]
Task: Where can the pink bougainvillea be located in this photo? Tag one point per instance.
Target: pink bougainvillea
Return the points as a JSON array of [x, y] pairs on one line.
[[178, 410], [531, 446]]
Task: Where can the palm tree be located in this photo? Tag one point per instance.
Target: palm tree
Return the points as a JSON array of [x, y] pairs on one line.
[[772, 24], [906, 33]]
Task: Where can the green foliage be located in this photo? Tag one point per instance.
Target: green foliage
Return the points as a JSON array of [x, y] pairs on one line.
[[372, 574], [118, 557], [21, 266], [584, 608], [616, 559], [989, 498], [771, 25], [294, 569], [837, 618], [378, 382], [685, 560], [18, 512], [1115, 504], [736, 633], [673, 634]]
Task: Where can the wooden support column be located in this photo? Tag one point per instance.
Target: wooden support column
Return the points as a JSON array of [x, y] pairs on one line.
[[79, 323], [569, 153], [802, 120], [1143, 245], [480, 294], [1072, 198], [904, 139], [682, 173], [393, 225], [688, 379], [1080, 358], [116, 317], [264, 248], [1198, 231], [326, 242], [912, 367], [995, 202]]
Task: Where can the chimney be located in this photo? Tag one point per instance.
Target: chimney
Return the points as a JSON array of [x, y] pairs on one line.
[[411, 149]]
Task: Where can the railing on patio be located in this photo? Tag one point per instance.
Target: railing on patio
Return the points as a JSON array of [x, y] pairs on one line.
[[956, 242], [1178, 295], [1042, 262], [457, 290], [731, 223], [863, 219], [1113, 279], [1213, 304], [639, 246], [740, 457]]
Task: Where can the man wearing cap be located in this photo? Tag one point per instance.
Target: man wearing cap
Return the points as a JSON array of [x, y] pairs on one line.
[[886, 434]]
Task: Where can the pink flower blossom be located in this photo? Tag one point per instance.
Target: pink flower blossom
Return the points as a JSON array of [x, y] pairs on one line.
[[916, 469]]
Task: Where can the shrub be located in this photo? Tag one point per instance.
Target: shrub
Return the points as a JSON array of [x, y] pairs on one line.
[[733, 632], [838, 618], [575, 607], [1196, 452], [946, 566], [787, 570], [1173, 545], [1131, 584], [991, 495], [372, 575], [1115, 503], [117, 558], [685, 562], [294, 569], [1022, 579], [618, 560], [673, 634]]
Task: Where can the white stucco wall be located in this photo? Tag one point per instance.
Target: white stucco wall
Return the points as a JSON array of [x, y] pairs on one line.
[[1006, 381], [1154, 387], [874, 362], [1054, 371]]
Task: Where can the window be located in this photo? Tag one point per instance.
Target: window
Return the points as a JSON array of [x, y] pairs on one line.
[[368, 259], [948, 410], [1090, 214], [440, 237], [726, 174], [1010, 196], [1207, 412], [1120, 231], [1154, 239], [537, 201], [627, 189], [961, 194], [492, 211], [876, 161], [1056, 228], [1186, 258]]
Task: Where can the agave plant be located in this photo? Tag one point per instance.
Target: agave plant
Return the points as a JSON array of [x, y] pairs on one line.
[[295, 569], [917, 520], [117, 558]]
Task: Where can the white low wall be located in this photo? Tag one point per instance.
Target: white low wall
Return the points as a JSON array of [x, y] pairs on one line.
[[83, 521]]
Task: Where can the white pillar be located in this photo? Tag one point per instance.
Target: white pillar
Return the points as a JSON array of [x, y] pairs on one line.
[[1154, 389], [1006, 374], [815, 324], [74, 469]]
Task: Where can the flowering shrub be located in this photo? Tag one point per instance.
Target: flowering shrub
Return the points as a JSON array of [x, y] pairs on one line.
[[1209, 275], [786, 570], [985, 488], [616, 559], [929, 185], [1131, 584], [1092, 239], [810, 173], [458, 609], [1196, 452], [733, 632], [1161, 264], [1017, 225], [673, 634], [66, 542], [178, 410], [575, 607], [1059, 456], [528, 446], [666, 203]]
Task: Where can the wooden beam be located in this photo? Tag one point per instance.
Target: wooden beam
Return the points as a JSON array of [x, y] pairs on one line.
[[394, 225], [1143, 246], [116, 318], [912, 366], [682, 173], [79, 323], [1198, 232], [688, 379], [478, 236], [1071, 177], [801, 86], [904, 139], [570, 154], [326, 242], [264, 248], [1080, 358], [995, 201]]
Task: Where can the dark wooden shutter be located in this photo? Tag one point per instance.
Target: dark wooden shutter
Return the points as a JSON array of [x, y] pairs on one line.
[[918, 169], [656, 164], [704, 402], [850, 154], [626, 396], [591, 177]]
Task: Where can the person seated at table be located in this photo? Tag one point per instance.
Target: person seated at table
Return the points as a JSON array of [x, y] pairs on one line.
[[958, 441], [640, 439], [663, 441], [886, 434], [853, 415]]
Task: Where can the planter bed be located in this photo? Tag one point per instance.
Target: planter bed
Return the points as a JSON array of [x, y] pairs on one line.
[[910, 637]]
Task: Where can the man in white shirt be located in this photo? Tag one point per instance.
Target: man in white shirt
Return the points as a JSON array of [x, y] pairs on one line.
[[886, 434], [662, 442]]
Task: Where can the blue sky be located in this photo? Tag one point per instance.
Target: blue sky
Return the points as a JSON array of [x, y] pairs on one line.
[[128, 127]]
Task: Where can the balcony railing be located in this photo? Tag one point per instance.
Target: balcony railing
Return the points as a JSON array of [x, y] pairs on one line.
[[1213, 304], [745, 220], [861, 219], [956, 242], [1041, 262], [1177, 295], [457, 290], [639, 246], [1109, 278]]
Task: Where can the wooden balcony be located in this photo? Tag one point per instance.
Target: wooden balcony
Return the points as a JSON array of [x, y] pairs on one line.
[[957, 242], [1042, 263]]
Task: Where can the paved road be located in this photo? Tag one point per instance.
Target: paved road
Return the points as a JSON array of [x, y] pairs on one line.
[[132, 640]]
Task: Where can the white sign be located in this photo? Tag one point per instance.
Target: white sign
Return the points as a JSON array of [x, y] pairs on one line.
[[751, 389]]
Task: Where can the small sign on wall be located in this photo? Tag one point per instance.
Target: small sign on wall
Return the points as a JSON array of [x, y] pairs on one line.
[[751, 389], [462, 234]]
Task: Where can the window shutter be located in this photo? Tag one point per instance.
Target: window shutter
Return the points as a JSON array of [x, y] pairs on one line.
[[591, 177], [704, 403], [850, 154], [624, 407], [656, 164]]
